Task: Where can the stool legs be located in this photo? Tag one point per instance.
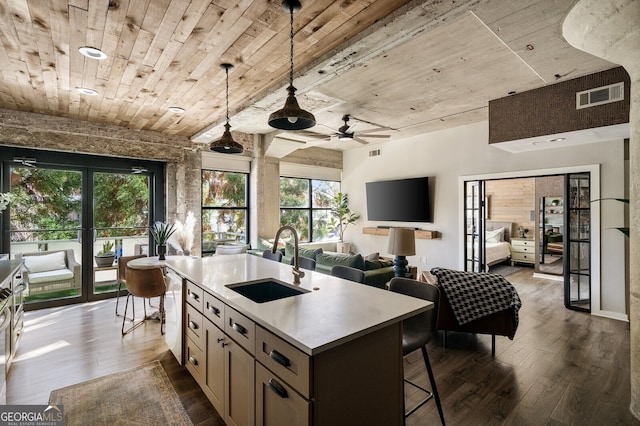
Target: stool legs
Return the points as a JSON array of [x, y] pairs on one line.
[[161, 315], [433, 383], [433, 393]]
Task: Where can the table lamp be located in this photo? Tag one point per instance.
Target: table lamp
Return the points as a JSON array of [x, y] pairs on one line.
[[402, 243]]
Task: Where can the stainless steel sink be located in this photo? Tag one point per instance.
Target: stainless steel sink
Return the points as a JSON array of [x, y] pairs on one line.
[[266, 290]]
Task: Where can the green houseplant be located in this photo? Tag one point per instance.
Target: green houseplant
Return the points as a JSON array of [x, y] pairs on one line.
[[342, 218], [105, 256], [161, 233]]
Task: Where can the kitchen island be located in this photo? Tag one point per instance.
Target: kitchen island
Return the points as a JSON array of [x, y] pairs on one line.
[[332, 355]]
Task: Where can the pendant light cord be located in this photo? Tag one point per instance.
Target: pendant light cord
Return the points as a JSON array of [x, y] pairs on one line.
[[227, 71], [291, 43]]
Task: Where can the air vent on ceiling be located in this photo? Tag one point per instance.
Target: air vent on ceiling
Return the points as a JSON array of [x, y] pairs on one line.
[[599, 96], [374, 153]]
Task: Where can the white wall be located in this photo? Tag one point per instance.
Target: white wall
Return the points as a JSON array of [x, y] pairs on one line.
[[447, 155]]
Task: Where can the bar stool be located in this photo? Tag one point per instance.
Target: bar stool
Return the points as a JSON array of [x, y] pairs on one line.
[[418, 330], [348, 273], [268, 254]]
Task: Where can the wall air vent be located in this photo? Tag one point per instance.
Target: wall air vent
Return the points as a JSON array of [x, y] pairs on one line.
[[599, 96], [374, 153]]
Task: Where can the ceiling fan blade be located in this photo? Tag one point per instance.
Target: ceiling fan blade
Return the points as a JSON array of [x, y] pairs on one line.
[[373, 124], [362, 141], [374, 136], [314, 135]]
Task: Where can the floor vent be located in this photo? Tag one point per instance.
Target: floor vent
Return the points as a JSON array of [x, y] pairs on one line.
[[374, 153], [599, 96]]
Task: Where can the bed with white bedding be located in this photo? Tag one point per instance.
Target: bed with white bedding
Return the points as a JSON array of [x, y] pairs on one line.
[[497, 242]]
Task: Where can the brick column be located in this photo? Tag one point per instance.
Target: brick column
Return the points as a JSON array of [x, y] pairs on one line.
[[609, 30]]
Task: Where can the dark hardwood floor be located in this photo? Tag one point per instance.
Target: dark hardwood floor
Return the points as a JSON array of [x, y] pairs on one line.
[[562, 367]]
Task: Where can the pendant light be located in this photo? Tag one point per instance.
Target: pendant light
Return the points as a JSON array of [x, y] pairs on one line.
[[291, 116], [226, 144]]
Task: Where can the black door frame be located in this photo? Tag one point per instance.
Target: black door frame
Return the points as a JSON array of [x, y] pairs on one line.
[[87, 164]]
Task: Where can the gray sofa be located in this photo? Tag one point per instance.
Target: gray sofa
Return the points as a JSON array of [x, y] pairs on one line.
[[377, 272]]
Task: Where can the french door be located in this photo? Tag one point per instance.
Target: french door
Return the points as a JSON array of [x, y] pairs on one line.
[[77, 205], [474, 211]]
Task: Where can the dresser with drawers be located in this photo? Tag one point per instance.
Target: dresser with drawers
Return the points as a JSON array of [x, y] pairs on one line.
[[523, 250]]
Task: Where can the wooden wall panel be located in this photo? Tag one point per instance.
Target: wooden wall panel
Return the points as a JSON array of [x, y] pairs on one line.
[[512, 200]]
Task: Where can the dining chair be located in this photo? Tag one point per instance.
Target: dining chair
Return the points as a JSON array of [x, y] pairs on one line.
[[122, 274], [348, 273], [268, 254], [418, 330], [145, 283]]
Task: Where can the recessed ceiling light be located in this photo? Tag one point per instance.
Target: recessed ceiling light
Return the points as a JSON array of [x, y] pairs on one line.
[[92, 52], [176, 109], [86, 91], [555, 140]]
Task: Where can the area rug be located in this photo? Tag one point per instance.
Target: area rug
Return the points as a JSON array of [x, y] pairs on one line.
[[504, 270], [139, 396]]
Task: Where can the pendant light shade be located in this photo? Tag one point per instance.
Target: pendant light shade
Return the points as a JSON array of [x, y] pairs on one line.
[[226, 144], [291, 116]]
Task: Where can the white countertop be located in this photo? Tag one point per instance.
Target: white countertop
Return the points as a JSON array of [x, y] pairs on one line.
[[333, 312]]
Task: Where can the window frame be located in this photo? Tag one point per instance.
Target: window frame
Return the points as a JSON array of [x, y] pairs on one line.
[[203, 208], [310, 209]]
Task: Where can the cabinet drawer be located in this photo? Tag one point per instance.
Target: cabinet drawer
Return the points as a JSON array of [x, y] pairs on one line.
[[214, 310], [195, 326], [523, 257], [289, 363], [524, 249], [195, 362], [241, 329], [277, 403], [194, 295], [517, 244]]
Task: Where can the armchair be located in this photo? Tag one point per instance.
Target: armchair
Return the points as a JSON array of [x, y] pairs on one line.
[[49, 271]]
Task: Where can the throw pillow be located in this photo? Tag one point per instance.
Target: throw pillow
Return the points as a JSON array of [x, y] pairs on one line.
[[377, 264], [45, 262], [494, 236], [332, 259], [372, 257], [310, 253]]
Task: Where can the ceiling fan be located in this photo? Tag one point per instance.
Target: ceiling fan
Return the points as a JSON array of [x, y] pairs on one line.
[[348, 132]]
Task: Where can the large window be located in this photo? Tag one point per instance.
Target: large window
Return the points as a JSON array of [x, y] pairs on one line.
[[225, 209], [306, 205]]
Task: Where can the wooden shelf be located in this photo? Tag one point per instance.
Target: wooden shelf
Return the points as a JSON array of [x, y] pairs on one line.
[[420, 233]]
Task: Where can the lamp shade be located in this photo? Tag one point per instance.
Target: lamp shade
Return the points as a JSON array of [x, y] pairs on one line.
[[402, 242]]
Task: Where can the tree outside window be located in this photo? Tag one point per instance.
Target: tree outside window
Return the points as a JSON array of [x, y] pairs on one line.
[[224, 208], [305, 204]]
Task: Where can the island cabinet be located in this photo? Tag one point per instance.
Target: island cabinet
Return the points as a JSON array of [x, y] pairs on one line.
[[254, 377]]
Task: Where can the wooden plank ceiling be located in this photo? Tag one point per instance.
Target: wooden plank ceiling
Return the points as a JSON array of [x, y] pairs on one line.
[[162, 53], [413, 65]]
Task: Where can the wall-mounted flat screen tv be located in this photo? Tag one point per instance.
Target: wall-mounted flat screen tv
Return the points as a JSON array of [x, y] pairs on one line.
[[402, 200]]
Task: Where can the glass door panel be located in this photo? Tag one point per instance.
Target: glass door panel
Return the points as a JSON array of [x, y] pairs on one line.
[[474, 226], [46, 230], [120, 224], [577, 278]]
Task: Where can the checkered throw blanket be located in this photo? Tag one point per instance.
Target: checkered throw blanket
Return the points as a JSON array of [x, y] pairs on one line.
[[476, 294]]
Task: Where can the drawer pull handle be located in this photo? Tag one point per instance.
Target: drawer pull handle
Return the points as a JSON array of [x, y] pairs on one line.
[[279, 358], [240, 329], [193, 360], [214, 310], [193, 325], [194, 296], [278, 389]]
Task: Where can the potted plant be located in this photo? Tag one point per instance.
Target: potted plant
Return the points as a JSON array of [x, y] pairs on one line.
[[342, 217], [161, 232], [105, 256]]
